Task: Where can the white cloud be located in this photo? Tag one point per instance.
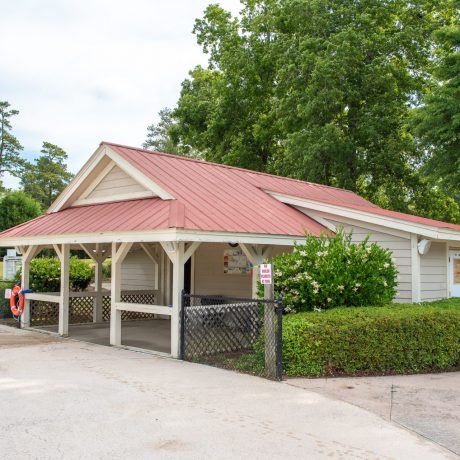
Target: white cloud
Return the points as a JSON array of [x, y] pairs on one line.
[[90, 70]]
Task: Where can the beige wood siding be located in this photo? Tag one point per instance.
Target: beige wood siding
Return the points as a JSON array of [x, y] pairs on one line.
[[399, 246], [280, 250], [209, 276], [433, 273], [137, 272], [116, 183]]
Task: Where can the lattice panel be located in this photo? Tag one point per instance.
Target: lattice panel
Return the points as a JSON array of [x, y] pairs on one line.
[[81, 310], [106, 305], [145, 299], [43, 313]]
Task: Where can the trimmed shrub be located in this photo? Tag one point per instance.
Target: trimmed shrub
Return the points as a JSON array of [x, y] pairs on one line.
[[81, 272], [45, 274], [396, 339], [332, 271], [107, 269]]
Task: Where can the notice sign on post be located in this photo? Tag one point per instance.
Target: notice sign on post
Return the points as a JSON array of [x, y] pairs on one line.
[[266, 276]]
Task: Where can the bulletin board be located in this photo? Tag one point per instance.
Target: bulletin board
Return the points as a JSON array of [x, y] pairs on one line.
[[235, 262]]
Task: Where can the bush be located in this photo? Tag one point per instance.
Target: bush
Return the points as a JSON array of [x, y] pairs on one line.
[[45, 274], [107, 269], [397, 339], [81, 272], [5, 311], [331, 271]]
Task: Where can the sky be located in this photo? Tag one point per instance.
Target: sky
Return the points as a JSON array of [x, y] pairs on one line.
[[86, 71]]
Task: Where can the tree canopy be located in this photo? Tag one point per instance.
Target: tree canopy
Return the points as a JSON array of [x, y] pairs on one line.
[[46, 179], [17, 207], [321, 91], [438, 121], [10, 147]]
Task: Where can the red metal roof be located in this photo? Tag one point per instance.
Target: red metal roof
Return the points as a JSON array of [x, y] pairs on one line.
[[209, 197], [171, 172]]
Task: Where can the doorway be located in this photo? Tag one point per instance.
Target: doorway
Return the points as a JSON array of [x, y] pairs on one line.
[[454, 273]]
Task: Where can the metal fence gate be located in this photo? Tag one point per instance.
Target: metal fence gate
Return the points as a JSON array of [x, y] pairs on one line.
[[244, 334]]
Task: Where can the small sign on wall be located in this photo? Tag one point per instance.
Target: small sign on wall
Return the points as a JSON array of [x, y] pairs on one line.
[[266, 275], [235, 262], [7, 293]]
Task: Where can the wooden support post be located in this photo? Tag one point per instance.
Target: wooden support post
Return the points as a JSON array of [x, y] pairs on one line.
[[98, 255], [167, 280], [63, 253], [256, 255], [98, 300], [161, 278], [118, 255], [177, 288], [178, 256], [27, 255]]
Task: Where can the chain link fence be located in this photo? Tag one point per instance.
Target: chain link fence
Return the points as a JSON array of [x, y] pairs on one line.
[[244, 334]]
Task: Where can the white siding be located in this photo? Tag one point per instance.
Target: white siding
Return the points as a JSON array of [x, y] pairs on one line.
[[115, 183], [433, 272], [399, 246], [137, 272], [209, 276]]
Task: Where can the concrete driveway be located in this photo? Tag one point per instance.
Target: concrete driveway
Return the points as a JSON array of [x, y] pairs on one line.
[[67, 399], [426, 404]]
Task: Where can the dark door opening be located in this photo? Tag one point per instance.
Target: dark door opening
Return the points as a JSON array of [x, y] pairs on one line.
[[188, 276]]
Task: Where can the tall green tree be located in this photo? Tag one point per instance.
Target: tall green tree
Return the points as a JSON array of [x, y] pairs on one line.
[[159, 135], [10, 147], [319, 90], [48, 176], [165, 137], [16, 208], [438, 120]]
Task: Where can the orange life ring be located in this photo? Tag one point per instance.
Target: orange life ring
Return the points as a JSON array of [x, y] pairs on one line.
[[17, 300]]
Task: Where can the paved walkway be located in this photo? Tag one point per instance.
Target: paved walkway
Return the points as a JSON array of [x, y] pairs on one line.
[[73, 400], [427, 404]]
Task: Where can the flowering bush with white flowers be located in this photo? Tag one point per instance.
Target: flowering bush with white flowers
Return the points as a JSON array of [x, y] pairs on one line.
[[332, 271]]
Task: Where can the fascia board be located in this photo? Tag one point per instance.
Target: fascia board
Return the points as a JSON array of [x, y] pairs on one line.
[[136, 174], [76, 182], [172, 234], [384, 221]]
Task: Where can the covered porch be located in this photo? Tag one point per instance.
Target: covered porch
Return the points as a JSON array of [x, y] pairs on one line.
[[140, 309]]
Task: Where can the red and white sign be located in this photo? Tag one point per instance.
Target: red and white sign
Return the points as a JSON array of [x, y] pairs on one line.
[[266, 276]]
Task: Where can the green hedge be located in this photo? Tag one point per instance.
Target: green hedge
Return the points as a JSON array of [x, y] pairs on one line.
[[396, 339], [45, 274]]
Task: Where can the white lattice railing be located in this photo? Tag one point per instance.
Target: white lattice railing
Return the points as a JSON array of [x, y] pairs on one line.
[[45, 306]]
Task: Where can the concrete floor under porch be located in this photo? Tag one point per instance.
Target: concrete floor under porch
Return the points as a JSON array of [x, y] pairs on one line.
[[147, 334]]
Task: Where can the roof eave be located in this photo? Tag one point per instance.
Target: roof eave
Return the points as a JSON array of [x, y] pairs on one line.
[[170, 234], [428, 231]]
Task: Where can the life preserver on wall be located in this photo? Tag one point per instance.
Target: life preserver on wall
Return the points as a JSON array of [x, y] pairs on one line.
[[17, 300]]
